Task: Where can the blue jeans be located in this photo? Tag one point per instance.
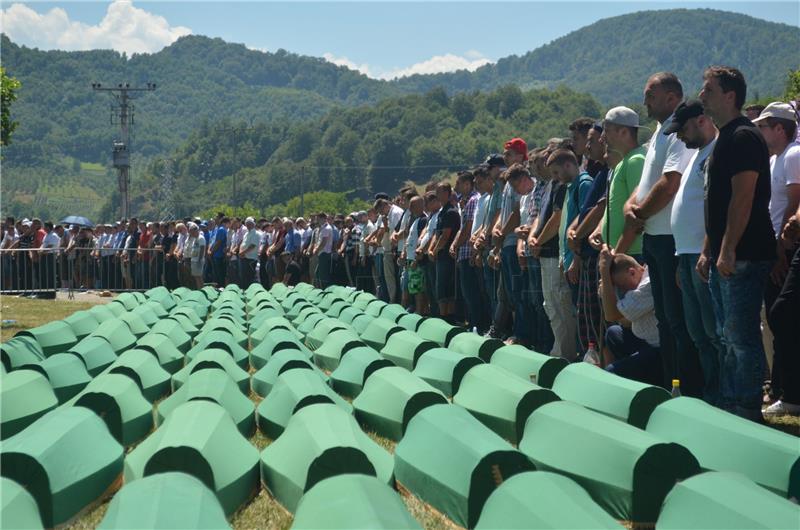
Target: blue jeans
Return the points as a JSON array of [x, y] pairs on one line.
[[542, 336], [515, 283], [634, 358], [737, 306], [470, 290], [679, 357], [698, 309], [324, 268], [383, 292], [490, 282]]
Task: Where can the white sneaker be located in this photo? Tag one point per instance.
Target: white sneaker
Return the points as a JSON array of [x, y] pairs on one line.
[[780, 408]]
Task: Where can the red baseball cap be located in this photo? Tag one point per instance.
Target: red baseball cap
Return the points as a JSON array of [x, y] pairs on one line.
[[518, 145]]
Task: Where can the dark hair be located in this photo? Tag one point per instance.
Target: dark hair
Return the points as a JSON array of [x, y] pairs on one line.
[[581, 125], [48, 225], [789, 126], [756, 107], [444, 186], [468, 176], [561, 157], [516, 172], [729, 79], [481, 170], [225, 219], [430, 197], [669, 82], [380, 204]]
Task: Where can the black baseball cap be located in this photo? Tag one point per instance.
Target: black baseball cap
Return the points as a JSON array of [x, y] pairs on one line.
[[381, 195], [495, 160], [683, 113]]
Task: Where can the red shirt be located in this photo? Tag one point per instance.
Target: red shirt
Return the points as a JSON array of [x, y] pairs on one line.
[[37, 241]]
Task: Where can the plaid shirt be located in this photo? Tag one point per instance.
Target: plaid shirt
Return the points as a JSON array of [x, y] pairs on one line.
[[467, 216]]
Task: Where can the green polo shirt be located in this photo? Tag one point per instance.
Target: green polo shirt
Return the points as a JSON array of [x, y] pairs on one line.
[[623, 180]]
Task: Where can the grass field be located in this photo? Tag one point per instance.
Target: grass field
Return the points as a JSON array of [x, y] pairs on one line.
[[263, 511]]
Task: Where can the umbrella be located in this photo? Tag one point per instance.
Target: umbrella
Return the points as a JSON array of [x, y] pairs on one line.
[[76, 220]]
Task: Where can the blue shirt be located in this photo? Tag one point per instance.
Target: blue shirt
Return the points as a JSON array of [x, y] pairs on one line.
[[596, 192], [221, 236], [577, 191], [292, 241]]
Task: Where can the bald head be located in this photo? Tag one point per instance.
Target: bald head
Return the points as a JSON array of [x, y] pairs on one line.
[[417, 205]]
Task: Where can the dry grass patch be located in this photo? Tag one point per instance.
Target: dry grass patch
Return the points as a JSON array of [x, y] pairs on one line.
[[31, 313]]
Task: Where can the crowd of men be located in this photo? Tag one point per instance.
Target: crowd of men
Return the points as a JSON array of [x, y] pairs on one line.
[[651, 260]]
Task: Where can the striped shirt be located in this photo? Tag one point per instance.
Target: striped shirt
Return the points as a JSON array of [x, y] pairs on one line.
[[467, 216]]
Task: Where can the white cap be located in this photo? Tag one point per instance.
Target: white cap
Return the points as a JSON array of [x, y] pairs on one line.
[[299, 219], [622, 116], [777, 109], [249, 220]]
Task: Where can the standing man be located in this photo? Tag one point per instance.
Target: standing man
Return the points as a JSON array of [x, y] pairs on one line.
[[446, 228], [416, 273], [216, 252], [739, 248], [248, 253], [468, 274], [323, 250], [391, 215]]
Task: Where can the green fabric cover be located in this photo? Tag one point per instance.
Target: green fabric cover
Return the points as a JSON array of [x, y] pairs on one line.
[[724, 442], [118, 400], [543, 500], [405, 347], [444, 369], [336, 308], [149, 313], [82, 323], [348, 314], [474, 344], [236, 333], [301, 311], [265, 378], [369, 505], [102, 313], [173, 330], [117, 333], [451, 461], [391, 397], [165, 501], [529, 365], [54, 337], [438, 331], [375, 307], [66, 373], [213, 384], [143, 368], [726, 500], [168, 355], [379, 331], [626, 470], [604, 392], [185, 324], [25, 396], [220, 339], [316, 337], [127, 300], [360, 322], [410, 321], [294, 390], [200, 438], [393, 312], [307, 325], [355, 368], [96, 353], [116, 308], [320, 441], [189, 313], [260, 328], [338, 343], [135, 323], [363, 300], [18, 508], [275, 341], [19, 351], [213, 358], [263, 315], [66, 461], [328, 301], [500, 400]]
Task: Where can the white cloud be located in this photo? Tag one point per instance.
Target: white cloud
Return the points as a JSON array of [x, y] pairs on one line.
[[124, 28], [449, 62]]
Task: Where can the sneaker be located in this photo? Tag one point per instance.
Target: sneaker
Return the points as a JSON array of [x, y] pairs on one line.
[[492, 333], [781, 408]]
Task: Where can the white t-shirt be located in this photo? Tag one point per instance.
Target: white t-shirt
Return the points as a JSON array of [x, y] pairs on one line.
[[664, 154], [180, 243], [638, 307], [687, 220], [326, 238], [8, 239], [413, 238], [51, 241], [395, 215], [251, 237], [480, 212], [785, 170]]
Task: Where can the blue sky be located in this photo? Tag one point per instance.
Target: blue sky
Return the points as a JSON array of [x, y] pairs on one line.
[[382, 39]]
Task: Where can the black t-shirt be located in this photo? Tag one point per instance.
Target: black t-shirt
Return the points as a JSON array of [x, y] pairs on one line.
[[740, 147], [293, 270], [557, 194], [448, 218]]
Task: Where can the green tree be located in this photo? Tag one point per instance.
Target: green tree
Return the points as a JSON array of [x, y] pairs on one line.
[[792, 92], [8, 94]]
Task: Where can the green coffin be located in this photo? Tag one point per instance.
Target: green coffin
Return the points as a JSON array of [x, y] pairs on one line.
[[557, 503], [438, 331], [116, 308], [349, 314], [222, 340], [410, 321], [336, 308], [117, 333], [142, 367], [327, 302], [604, 392], [82, 323], [375, 307], [66, 373], [200, 438], [299, 312], [135, 323], [405, 347], [391, 397], [263, 315], [96, 353], [168, 355], [278, 290], [66, 461], [444, 369], [363, 300], [173, 330], [118, 400], [127, 300], [213, 384], [25, 396], [393, 312], [20, 351], [236, 333], [213, 358], [725, 500], [185, 324], [53, 337], [626, 470], [724, 442], [320, 441], [500, 400], [369, 505], [294, 390], [190, 314], [355, 367], [317, 336], [165, 500], [336, 345], [379, 331], [275, 341], [259, 330], [529, 365], [102, 313], [474, 344], [18, 508], [451, 461], [150, 313], [264, 379]]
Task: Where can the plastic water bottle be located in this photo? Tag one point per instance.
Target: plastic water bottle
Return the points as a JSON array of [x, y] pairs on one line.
[[676, 388], [592, 356]]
